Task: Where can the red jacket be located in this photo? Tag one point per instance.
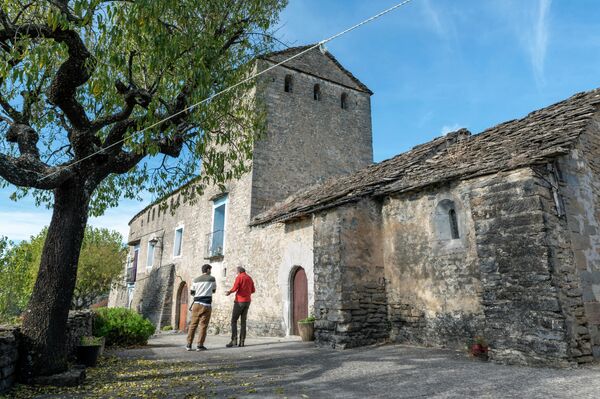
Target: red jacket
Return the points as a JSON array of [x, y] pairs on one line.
[[243, 287]]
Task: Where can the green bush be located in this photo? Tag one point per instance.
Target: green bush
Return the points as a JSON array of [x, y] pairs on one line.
[[309, 319], [167, 328], [122, 327]]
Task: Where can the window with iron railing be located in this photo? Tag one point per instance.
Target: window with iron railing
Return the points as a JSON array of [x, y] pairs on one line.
[[216, 239], [214, 247]]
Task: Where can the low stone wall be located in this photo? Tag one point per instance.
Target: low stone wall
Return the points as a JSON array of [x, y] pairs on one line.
[[79, 324], [8, 357]]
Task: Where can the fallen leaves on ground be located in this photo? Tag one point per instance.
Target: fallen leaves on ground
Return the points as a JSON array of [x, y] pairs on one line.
[[139, 378]]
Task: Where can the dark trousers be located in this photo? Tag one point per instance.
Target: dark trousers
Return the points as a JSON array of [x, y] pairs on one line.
[[239, 309]]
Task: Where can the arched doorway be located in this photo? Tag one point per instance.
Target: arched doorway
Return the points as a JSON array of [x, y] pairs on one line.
[[299, 297], [182, 305]]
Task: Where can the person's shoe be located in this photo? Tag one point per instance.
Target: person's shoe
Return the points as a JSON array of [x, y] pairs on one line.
[[241, 343], [201, 348], [231, 344], [188, 347]]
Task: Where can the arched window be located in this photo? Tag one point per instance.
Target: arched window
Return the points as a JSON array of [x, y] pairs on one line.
[[446, 220], [289, 84], [344, 101], [317, 93], [453, 224]]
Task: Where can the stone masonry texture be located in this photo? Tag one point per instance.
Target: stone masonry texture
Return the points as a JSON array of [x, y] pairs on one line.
[[494, 235], [79, 324], [306, 140]]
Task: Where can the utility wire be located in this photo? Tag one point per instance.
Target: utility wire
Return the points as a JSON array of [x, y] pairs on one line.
[[319, 44]]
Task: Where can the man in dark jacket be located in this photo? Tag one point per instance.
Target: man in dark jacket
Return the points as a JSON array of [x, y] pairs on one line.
[[203, 288], [243, 288]]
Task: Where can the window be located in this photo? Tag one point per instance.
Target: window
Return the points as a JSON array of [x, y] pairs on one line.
[[216, 239], [178, 242], [132, 262], [446, 221], [344, 101], [317, 93], [289, 84], [153, 213], [453, 224], [150, 259]]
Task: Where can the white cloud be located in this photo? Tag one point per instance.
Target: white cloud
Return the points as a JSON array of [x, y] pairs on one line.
[[434, 18], [530, 23], [450, 128], [539, 40], [19, 225]]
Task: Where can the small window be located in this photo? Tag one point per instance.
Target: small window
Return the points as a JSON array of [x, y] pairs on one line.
[[148, 217], [453, 224], [344, 101], [153, 213], [317, 93], [446, 220], [289, 84], [178, 242], [150, 258]]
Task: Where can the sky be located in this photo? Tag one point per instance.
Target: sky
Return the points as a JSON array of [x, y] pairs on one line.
[[434, 66]]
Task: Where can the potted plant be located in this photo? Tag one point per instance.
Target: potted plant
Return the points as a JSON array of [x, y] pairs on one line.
[[89, 349], [306, 328], [479, 348]]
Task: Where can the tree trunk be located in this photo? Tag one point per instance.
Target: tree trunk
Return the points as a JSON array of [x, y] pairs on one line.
[[45, 320]]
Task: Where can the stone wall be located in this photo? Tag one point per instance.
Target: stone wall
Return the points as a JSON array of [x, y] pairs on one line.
[[269, 254], [308, 140], [579, 177], [79, 324], [432, 280], [525, 322], [350, 300], [8, 357]]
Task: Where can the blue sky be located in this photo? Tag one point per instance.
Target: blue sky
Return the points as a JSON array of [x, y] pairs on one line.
[[434, 66]]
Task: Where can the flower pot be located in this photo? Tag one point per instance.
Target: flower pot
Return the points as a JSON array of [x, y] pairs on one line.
[[307, 331], [479, 351], [88, 355]]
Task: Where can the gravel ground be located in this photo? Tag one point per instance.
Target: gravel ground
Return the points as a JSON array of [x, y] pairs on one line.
[[278, 368]]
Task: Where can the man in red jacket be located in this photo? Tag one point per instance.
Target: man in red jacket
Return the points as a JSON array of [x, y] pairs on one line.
[[243, 288]]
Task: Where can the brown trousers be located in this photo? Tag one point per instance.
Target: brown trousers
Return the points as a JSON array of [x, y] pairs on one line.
[[200, 315]]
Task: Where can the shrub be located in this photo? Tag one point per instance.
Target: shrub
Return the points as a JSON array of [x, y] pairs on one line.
[[90, 341], [122, 327], [309, 319], [167, 328]]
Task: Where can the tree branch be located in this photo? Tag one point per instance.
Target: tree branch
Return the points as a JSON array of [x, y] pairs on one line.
[[26, 172], [133, 96]]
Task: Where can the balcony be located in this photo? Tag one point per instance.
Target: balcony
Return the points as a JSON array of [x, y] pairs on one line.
[[214, 244]]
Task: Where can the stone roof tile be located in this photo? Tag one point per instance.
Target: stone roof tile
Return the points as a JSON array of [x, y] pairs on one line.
[[538, 137]]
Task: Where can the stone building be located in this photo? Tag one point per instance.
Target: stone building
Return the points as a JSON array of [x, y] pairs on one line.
[[318, 120], [495, 234]]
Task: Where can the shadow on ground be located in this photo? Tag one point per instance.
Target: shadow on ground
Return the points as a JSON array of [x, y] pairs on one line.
[[274, 368]]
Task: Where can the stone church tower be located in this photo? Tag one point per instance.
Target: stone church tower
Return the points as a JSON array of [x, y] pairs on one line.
[[318, 125]]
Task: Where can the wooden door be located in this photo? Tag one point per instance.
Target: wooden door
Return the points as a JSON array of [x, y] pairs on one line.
[[183, 307], [299, 298]]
